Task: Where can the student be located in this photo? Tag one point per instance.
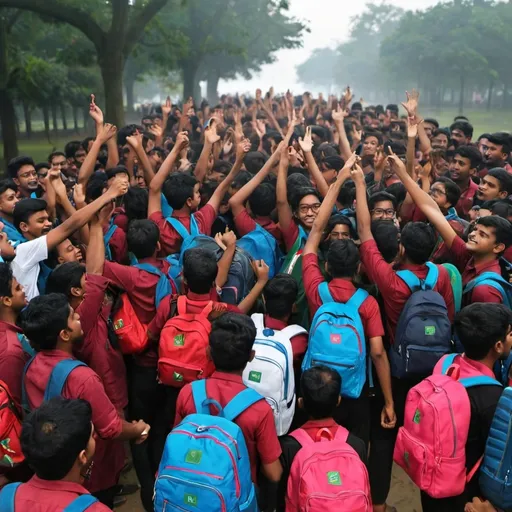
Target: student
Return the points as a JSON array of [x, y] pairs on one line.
[[58, 441], [231, 341], [320, 398], [23, 172], [31, 219], [53, 327], [15, 350], [382, 206], [182, 193], [488, 240], [8, 200], [485, 331], [496, 184], [342, 265], [87, 291], [461, 132], [497, 152]]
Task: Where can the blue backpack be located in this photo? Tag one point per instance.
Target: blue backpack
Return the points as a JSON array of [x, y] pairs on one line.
[[55, 383], [205, 464], [8, 494], [164, 286], [494, 480], [337, 340], [494, 280], [424, 331], [261, 245], [106, 239], [188, 237]]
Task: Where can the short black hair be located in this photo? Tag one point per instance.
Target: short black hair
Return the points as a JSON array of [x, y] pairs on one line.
[[398, 191], [118, 169], [44, 318], [504, 177], [17, 163], [178, 188], [501, 139], [25, 208], [280, 294], [321, 389], [453, 192], [53, 436], [254, 161], [241, 179], [502, 208], [231, 341], [127, 131], [472, 153], [136, 203], [374, 133], [64, 277], [342, 258], [7, 184], [95, 186], [200, 269], [263, 200], [71, 148], [386, 234], [464, 126], [432, 121], [338, 218], [502, 228], [54, 154], [480, 326], [5, 280], [419, 241], [85, 142], [380, 197], [142, 238], [300, 194]]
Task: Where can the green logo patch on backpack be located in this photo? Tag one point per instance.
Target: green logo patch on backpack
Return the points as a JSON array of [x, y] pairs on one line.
[[430, 330], [417, 417], [333, 478], [190, 499], [177, 376], [179, 340], [255, 376], [194, 456]]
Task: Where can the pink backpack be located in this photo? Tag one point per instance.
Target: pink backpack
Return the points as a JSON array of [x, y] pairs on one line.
[[431, 446], [327, 475]]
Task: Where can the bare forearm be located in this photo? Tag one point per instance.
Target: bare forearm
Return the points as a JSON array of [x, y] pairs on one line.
[[159, 179], [247, 304], [87, 168], [113, 153], [364, 221], [344, 144], [384, 375], [95, 257], [224, 265], [425, 145], [317, 175], [202, 164], [221, 190], [149, 174], [411, 149]]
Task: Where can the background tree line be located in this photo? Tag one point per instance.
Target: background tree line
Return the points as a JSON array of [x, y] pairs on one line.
[[456, 52], [53, 53]]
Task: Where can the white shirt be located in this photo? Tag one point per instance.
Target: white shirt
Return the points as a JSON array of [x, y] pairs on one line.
[[25, 266]]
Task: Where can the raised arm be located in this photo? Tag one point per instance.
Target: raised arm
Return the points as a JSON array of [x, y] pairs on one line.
[[135, 141], [227, 242], [95, 256], [412, 133], [324, 214], [364, 220], [423, 201], [210, 138], [306, 145], [338, 116], [261, 271], [411, 106], [284, 212]]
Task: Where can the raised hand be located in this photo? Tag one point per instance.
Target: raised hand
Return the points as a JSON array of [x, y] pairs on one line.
[[79, 194], [306, 144], [210, 134], [181, 141], [411, 105], [95, 111], [339, 115], [357, 174], [396, 164], [261, 270], [135, 141], [107, 132], [119, 187], [242, 148], [167, 107]]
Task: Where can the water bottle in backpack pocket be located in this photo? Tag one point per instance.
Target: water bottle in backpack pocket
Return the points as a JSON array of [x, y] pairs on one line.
[[205, 464], [271, 373], [337, 340], [431, 445], [327, 475], [424, 331]]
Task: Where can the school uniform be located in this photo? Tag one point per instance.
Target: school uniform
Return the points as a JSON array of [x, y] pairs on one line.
[[245, 224], [466, 200], [51, 496], [290, 235], [256, 422], [465, 262], [291, 447], [118, 245], [170, 239], [96, 349], [83, 383]]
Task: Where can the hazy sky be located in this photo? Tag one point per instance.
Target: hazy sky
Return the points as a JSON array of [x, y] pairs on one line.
[[329, 22]]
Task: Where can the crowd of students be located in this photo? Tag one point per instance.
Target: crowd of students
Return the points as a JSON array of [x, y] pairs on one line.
[[255, 297]]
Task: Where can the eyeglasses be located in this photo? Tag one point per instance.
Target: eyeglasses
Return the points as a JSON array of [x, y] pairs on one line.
[[437, 192], [42, 175], [380, 212], [29, 174], [304, 208], [58, 164]]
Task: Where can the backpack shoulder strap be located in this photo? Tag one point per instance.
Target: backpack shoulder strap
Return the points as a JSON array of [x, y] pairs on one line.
[[341, 434], [25, 345], [258, 320], [109, 234], [479, 380], [81, 504], [325, 294], [199, 396], [410, 279], [293, 330], [240, 403], [148, 268], [7, 496], [59, 376], [356, 301], [490, 279], [24, 398], [432, 276], [447, 362], [301, 436], [179, 227], [194, 228]]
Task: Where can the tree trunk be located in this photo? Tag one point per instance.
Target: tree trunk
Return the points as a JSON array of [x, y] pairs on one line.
[[129, 84], [8, 122], [190, 84], [212, 88], [75, 118], [491, 92], [111, 62], [461, 99], [55, 122], [505, 95], [46, 119], [63, 115], [28, 119]]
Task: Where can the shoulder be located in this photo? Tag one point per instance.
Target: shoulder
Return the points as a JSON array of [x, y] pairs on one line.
[[358, 445]]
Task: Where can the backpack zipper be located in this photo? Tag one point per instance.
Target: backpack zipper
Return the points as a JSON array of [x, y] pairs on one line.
[[331, 323], [271, 361], [453, 422], [231, 438], [329, 363], [279, 347], [194, 471]]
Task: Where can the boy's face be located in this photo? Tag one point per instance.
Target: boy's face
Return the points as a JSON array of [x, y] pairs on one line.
[[194, 201], [494, 155], [507, 344], [308, 210], [489, 189], [27, 178], [17, 301], [482, 240], [7, 201], [73, 332], [38, 224], [68, 252], [340, 232], [440, 141], [370, 145], [460, 169], [438, 194], [383, 210]]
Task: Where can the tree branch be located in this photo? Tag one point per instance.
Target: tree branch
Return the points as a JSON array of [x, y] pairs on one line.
[[139, 22], [62, 12]]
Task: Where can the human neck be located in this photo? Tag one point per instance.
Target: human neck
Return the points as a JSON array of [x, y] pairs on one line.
[[74, 475], [6, 217], [489, 361], [484, 258], [8, 315], [185, 211], [464, 185], [64, 347]]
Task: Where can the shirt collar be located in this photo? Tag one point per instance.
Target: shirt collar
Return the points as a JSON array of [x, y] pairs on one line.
[[198, 296], [274, 323], [471, 190], [480, 268], [323, 423], [7, 326], [57, 485], [231, 377], [480, 367]]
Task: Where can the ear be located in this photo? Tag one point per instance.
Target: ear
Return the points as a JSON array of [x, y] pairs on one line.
[[252, 356], [76, 292], [82, 458], [326, 266], [158, 247], [498, 248], [300, 403], [473, 171], [401, 251], [499, 348], [189, 202], [64, 335], [60, 259], [339, 401], [7, 301], [23, 227], [503, 194], [17, 181]]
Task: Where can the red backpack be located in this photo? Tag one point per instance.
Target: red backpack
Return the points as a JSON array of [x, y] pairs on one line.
[[327, 475], [10, 429], [182, 350], [131, 332]]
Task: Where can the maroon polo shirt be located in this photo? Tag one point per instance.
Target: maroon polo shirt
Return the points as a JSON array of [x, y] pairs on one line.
[[341, 291], [465, 262], [395, 293], [290, 235], [118, 245], [170, 239], [40, 495], [12, 358], [256, 422], [83, 383], [245, 224], [96, 350], [465, 202], [141, 289]]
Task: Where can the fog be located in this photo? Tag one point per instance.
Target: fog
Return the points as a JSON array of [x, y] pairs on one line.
[[329, 23]]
